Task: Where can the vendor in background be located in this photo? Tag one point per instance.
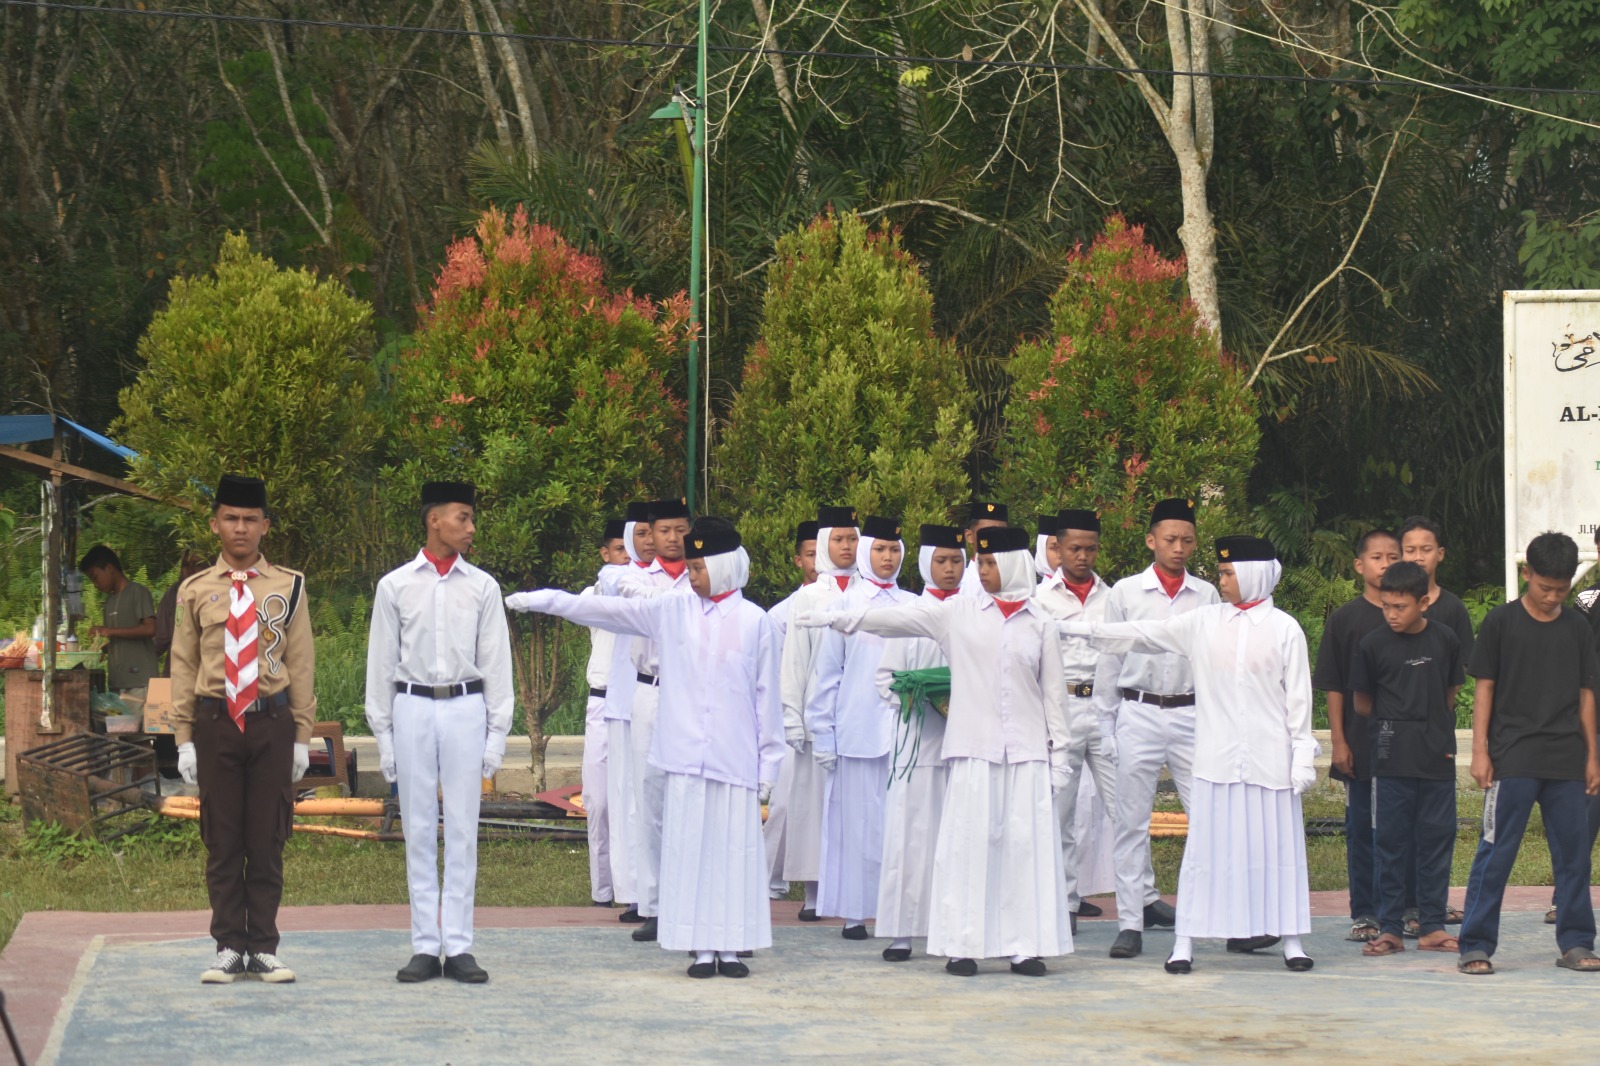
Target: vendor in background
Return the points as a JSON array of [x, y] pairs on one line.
[[191, 564], [130, 625]]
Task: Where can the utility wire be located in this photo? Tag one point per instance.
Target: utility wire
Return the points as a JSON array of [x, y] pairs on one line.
[[1399, 82]]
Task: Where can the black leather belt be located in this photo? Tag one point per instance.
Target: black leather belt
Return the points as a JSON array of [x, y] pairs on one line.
[[1156, 700], [438, 692], [276, 702], [646, 679], [598, 693], [1081, 689]]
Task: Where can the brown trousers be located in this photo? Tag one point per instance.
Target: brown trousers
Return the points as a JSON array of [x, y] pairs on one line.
[[246, 808]]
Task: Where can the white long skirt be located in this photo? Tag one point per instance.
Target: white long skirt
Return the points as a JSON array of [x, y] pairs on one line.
[[911, 814], [713, 868], [1244, 864], [852, 838], [997, 878], [795, 839], [622, 810]]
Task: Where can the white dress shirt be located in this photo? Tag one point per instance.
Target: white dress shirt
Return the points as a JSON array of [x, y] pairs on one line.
[[621, 674], [780, 613], [846, 713], [1079, 658], [719, 716], [1007, 698], [1252, 687], [913, 653], [653, 580], [433, 630], [1141, 598], [800, 649]]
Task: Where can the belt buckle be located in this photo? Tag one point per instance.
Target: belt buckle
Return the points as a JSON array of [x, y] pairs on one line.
[[443, 692]]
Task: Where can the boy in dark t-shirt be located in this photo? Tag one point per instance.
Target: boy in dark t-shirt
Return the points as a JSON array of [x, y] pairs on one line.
[[1352, 757], [1405, 677], [1533, 740]]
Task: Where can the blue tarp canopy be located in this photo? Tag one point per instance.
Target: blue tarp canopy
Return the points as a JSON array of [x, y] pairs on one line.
[[24, 429]]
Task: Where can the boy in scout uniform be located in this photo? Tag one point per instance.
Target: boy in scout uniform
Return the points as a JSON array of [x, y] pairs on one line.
[[242, 712]]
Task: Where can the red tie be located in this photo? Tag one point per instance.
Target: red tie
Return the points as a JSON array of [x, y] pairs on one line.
[[239, 647]]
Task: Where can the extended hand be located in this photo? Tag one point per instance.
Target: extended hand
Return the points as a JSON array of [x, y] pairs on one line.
[[186, 762], [812, 619], [491, 763], [1076, 628], [528, 601]]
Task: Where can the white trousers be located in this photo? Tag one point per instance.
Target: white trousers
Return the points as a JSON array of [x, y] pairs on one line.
[[649, 793], [623, 812], [596, 805], [438, 753], [1084, 809], [1148, 737]]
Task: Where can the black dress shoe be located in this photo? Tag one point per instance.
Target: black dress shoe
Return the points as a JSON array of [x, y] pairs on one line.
[[961, 967], [855, 932], [1178, 966], [631, 916], [747, 954], [1299, 964], [606, 903], [809, 914], [702, 969], [420, 968], [1160, 915], [1245, 944], [732, 969], [1129, 943], [1029, 967], [465, 968], [1088, 910], [645, 932], [896, 954], [1072, 923]]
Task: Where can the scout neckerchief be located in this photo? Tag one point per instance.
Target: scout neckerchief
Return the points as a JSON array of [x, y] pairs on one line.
[[239, 646], [442, 565], [1170, 585], [1081, 591]]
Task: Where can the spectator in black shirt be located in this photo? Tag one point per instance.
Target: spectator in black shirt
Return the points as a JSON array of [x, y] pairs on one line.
[[1405, 679], [1533, 740], [1422, 542]]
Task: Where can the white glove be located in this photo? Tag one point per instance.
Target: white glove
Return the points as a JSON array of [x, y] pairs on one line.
[[1076, 628], [764, 793], [827, 759], [1108, 747], [386, 757], [528, 601], [795, 737], [491, 763], [1302, 776], [186, 762], [302, 761], [1060, 778]]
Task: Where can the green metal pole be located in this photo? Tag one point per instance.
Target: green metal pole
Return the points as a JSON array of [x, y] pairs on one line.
[[697, 222]]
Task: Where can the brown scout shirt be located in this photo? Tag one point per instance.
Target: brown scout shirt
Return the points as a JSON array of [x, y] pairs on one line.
[[285, 657]]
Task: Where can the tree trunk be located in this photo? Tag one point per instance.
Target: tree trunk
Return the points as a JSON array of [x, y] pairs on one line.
[[538, 674], [1199, 236]]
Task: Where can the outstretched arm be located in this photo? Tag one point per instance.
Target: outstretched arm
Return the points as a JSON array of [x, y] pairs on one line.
[[638, 618]]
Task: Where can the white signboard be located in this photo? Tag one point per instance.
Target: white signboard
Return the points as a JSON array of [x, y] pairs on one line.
[[1552, 420]]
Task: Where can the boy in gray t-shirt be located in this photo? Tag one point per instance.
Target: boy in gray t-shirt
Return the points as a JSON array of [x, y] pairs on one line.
[[129, 624]]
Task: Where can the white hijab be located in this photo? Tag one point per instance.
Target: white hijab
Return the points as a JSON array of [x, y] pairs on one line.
[[1017, 579], [925, 562], [1257, 579], [825, 565], [728, 571], [1041, 558], [627, 541], [864, 562]]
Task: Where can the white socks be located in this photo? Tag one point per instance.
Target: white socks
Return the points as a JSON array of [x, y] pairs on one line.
[[703, 957], [1182, 949], [1292, 948], [811, 895], [727, 956], [902, 944], [1018, 959]]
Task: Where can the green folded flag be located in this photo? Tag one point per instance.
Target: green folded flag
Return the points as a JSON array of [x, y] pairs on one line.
[[919, 688]]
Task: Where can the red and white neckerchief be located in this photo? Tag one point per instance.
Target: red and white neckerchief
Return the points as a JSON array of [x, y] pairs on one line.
[[1252, 603], [941, 594], [843, 580], [239, 641], [443, 565], [1170, 585], [880, 584], [1009, 607], [1081, 591]]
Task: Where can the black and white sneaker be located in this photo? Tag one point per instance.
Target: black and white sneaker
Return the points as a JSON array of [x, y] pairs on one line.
[[267, 968], [228, 968]]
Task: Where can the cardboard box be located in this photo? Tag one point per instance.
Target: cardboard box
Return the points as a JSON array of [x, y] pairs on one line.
[[158, 706]]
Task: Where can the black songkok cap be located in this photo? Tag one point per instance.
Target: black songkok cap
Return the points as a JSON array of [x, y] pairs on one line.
[[983, 510], [836, 517], [638, 511], [1245, 550], [880, 528], [803, 532], [711, 536], [614, 528], [1004, 539], [236, 491], [436, 492], [674, 508], [940, 537], [1074, 519], [1178, 510], [1047, 525]]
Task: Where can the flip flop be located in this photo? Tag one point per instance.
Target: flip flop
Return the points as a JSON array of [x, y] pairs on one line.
[[1364, 931], [1386, 944], [1581, 959], [1453, 916], [1476, 964], [1449, 944]]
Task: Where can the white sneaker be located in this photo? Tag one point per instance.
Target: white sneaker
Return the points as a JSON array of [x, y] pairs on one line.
[[269, 969], [228, 968]]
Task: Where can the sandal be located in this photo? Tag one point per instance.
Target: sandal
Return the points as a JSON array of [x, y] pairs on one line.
[[1550, 916], [1386, 944], [1443, 944], [1581, 959], [1453, 915], [1411, 927], [1476, 963], [1364, 931]]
